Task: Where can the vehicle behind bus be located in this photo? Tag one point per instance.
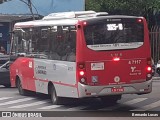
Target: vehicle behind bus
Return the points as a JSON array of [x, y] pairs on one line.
[[88, 55], [4, 70]]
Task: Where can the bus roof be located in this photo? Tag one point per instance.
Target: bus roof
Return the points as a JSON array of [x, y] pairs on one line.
[[37, 23], [63, 19]]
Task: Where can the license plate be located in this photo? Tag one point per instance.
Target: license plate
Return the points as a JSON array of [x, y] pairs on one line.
[[121, 89]]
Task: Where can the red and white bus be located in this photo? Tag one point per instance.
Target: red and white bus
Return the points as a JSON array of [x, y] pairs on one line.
[[82, 54]]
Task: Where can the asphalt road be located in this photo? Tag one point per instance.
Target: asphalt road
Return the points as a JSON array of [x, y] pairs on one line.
[[11, 101]]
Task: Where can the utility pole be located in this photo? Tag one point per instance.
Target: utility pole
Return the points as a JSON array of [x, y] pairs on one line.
[[30, 7]]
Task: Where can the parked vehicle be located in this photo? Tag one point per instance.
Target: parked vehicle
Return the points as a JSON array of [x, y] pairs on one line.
[[4, 70], [158, 67], [153, 67], [3, 58]]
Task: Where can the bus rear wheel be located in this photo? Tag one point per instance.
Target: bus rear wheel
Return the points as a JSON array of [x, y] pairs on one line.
[[20, 89], [54, 97]]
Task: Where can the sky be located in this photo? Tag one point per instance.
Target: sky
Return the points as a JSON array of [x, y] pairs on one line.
[[43, 7]]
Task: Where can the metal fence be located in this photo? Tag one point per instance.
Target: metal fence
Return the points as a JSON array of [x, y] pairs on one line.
[[155, 43]]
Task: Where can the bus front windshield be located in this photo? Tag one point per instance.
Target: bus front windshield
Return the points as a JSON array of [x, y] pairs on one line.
[[114, 35]]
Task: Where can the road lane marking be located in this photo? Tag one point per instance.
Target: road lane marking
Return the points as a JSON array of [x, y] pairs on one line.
[[130, 102], [4, 98], [16, 101], [50, 107], [134, 101], [29, 104], [148, 107], [76, 108]]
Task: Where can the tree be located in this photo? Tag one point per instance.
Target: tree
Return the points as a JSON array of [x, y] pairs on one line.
[[146, 8], [129, 7], [29, 4]]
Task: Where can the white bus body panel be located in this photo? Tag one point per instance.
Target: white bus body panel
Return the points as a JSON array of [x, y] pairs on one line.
[[61, 73]]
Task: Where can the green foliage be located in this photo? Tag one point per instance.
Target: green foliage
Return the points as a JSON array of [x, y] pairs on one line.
[[128, 7], [150, 9]]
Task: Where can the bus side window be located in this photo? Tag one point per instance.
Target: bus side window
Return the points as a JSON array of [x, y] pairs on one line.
[[54, 43], [71, 55], [62, 44], [69, 46]]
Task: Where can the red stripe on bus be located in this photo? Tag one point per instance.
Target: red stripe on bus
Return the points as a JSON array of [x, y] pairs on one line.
[[60, 83]]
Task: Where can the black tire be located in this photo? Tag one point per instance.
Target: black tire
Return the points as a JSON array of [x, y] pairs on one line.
[[158, 70], [20, 89], [54, 97], [7, 85], [111, 99]]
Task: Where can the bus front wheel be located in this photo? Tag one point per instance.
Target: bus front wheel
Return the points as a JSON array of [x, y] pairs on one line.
[[54, 97]]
